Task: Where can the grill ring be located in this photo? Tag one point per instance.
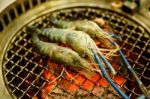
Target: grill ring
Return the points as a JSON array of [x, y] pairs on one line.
[[136, 34]]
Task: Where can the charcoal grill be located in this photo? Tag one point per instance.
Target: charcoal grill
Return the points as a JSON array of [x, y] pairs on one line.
[[22, 67]]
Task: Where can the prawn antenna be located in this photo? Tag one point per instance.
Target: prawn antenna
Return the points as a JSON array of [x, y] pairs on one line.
[[56, 22]]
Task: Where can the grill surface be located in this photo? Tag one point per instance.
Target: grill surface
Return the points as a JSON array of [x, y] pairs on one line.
[[23, 68]]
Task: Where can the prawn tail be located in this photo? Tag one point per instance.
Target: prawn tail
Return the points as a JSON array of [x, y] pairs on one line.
[[34, 32], [61, 23], [56, 22], [35, 38]]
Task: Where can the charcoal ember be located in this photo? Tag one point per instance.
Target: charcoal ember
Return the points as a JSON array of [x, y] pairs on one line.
[[98, 91], [87, 97], [105, 92], [82, 93], [65, 95], [57, 90]]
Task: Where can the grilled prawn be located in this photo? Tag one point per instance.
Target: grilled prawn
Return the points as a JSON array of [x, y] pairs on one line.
[[77, 40], [89, 27], [61, 55]]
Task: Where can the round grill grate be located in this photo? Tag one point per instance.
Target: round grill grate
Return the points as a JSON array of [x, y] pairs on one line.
[[23, 67]]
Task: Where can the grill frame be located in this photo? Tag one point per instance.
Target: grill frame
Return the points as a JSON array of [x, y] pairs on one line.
[[74, 5]]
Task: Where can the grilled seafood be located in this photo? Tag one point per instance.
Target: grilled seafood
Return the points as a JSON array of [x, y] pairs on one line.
[[61, 55], [89, 27], [78, 40]]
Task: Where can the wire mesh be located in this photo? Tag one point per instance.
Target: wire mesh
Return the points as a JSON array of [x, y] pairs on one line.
[[23, 67]]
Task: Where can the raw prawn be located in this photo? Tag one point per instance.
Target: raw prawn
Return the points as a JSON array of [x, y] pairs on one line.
[[89, 27], [61, 55]]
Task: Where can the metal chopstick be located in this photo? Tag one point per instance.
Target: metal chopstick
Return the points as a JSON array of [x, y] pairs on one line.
[[128, 66], [110, 67], [104, 73]]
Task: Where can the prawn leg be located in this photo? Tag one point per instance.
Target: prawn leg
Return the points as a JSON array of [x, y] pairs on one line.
[[57, 76]]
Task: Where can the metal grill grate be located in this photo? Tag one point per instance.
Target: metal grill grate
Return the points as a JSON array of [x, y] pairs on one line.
[[23, 67]]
